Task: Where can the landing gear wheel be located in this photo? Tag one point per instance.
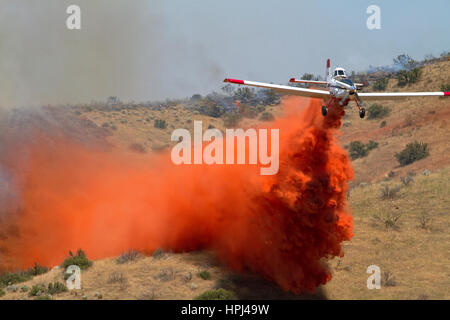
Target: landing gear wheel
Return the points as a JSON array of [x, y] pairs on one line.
[[324, 111], [362, 113]]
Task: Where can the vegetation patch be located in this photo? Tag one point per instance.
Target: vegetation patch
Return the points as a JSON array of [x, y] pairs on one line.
[[357, 149], [56, 287], [408, 77], [413, 151], [212, 110], [205, 275], [9, 278], [158, 254], [37, 290], [381, 84], [217, 294], [160, 124], [80, 259], [445, 87], [377, 111], [14, 277], [128, 256], [389, 221]]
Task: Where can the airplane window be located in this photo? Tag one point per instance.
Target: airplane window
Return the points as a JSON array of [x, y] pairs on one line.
[[341, 72]]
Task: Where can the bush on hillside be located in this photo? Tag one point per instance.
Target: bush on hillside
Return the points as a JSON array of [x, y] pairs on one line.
[[445, 87], [357, 149], [381, 84], [408, 77], [218, 294], [413, 151], [160, 124], [80, 259], [377, 111]]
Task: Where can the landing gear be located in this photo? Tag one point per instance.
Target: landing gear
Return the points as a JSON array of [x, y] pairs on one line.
[[362, 110], [362, 113], [325, 108]]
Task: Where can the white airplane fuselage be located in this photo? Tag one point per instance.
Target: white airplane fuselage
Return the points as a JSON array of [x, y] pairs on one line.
[[339, 91]]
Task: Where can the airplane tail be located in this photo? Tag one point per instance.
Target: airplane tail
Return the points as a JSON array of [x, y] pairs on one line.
[[328, 69]]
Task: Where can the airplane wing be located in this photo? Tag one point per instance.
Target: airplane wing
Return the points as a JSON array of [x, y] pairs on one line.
[[311, 93], [307, 81], [399, 95]]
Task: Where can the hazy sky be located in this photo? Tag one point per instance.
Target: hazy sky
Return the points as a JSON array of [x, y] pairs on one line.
[[146, 50]]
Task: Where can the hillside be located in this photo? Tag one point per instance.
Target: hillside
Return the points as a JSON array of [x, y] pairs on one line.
[[407, 234]]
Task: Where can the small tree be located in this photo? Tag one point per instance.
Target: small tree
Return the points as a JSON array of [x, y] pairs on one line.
[[80, 259], [377, 111], [160, 124], [413, 151], [357, 149], [381, 84], [405, 61], [245, 94], [408, 77], [270, 97], [445, 87]]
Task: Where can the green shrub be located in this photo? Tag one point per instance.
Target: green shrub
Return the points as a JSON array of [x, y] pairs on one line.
[[2, 293], [244, 94], [205, 275], [266, 116], [21, 276], [445, 87], [408, 77], [14, 277], [160, 124], [357, 149], [413, 151], [37, 290], [215, 111], [377, 111], [218, 294], [80, 259], [383, 124], [55, 288], [381, 84], [37, 270]]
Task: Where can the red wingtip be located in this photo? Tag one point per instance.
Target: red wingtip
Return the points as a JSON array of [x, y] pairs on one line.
[[328, 63], [234, 81], [292, 80], [446, 93]]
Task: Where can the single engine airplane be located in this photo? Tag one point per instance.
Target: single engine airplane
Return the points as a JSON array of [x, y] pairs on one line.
[[340, 89]]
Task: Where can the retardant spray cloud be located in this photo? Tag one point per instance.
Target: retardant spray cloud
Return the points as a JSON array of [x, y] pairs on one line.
[[282, 227]]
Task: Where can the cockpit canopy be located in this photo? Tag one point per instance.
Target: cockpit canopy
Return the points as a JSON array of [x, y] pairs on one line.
[[340, 72]]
